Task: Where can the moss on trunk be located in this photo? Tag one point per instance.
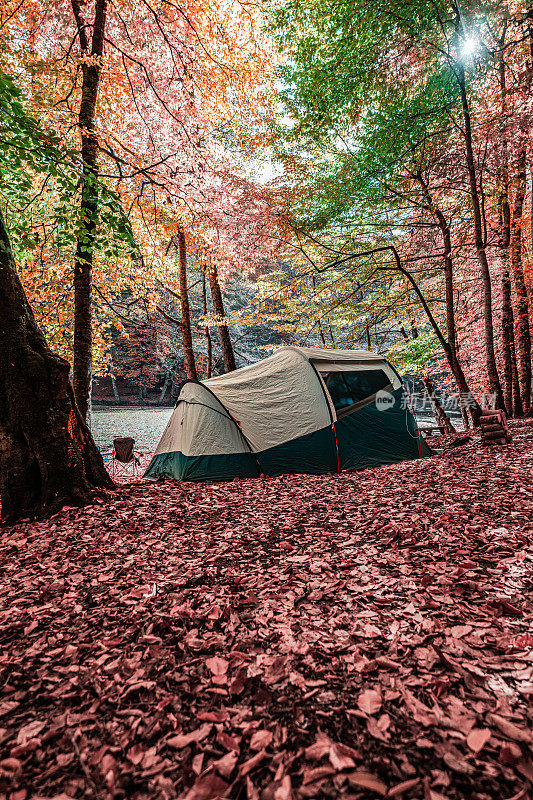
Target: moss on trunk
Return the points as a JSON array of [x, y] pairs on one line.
[[47, 454]]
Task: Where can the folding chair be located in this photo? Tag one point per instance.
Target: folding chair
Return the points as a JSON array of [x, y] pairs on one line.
[[124, 459]]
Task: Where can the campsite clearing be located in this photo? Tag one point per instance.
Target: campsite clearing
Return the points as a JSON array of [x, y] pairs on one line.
[[359, 635]]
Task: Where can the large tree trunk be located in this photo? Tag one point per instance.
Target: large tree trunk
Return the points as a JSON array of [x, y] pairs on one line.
[[490, 357], [218, 304], [513, 400], [510, 373], [188, 352], [47, 454], [453, 359], [82, 365], [522, 332]]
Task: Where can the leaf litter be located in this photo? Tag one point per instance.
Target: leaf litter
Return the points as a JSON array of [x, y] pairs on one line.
[[359, 635]]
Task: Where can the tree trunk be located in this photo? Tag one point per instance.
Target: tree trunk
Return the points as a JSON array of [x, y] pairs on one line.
[[47, 454], [451, 349], [218, 304], [208, 342], [82, 366], [504, 213], [490, 357], [164, 389], [522, 332], [320, 331], [441, 418], [510, 372], [513, 400], [188, 352], [115, 389]]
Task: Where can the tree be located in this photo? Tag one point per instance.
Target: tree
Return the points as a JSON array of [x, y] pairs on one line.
[[522, 330], [91, 65], [480, 242], [47, 454], [218, 304], [379, 92], [186, 333], [154, 124]]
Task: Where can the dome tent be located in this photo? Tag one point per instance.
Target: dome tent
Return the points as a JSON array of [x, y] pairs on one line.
[[302, 410]]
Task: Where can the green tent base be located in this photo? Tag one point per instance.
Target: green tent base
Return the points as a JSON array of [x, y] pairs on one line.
[[203, 468]]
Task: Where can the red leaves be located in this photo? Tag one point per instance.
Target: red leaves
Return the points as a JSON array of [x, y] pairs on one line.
[[339, 758], [403, 787], [252, 763], [365, 780], [511, 730], [478, 738], [272, 674], [217, 666], [183, 739], [225, 765], [261, 740], [207, 787], [30, 731], [370, 701]]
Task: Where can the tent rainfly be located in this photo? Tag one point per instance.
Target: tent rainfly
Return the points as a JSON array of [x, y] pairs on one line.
[[302, 410]]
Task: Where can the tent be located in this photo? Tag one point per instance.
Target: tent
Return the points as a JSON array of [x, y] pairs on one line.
[[302, 410]]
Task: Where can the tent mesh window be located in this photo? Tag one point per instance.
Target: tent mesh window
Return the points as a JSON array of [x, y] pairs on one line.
[[350, 388]]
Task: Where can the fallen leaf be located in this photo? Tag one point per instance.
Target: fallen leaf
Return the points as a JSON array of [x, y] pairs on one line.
[[207, 787], [217, 666], [181, 740], [366, 780], [284, 790], [30, 731], [511, 730], [340, 760], [260, 740], [477, 739], [370, 701], [252, 763], [403, 787]]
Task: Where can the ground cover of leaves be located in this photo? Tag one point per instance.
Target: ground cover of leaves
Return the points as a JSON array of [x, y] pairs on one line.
[[356, 635]]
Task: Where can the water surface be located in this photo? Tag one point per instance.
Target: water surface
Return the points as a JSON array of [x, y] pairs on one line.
[[145, 425]]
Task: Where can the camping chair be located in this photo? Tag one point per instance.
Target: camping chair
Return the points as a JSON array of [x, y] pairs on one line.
[[124, 459]]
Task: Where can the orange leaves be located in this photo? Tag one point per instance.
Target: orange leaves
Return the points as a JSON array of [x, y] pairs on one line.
[[171, 76]]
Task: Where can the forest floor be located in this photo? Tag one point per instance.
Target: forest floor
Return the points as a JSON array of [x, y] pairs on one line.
[[357, 635]]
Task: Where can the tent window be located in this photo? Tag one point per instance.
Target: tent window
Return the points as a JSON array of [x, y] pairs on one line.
[[347, 388]]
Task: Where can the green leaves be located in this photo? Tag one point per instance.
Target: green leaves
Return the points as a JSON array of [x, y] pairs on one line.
[[414, 356], [40, 187]]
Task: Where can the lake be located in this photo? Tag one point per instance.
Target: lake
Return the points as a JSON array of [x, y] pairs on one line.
[[143, 424], [146, 425]]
